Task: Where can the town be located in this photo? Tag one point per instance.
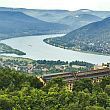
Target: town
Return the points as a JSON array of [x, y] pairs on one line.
[[41, 67]]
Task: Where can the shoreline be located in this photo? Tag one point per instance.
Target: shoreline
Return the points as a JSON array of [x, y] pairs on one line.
[[30, 35], [19, 37], [95, 59], [94, 53]]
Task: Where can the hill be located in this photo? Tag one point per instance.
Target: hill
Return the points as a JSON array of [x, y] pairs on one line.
[[94, 37], [79, 20], [45, 15], [14, 24], [75, 19], [101, 14]]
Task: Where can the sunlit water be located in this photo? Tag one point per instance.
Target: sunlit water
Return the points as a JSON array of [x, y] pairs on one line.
[[35, 48]]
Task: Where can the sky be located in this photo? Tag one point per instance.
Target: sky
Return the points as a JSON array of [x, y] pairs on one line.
[[58, 4]]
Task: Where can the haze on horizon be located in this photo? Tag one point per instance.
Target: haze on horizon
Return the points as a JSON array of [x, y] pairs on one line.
[[102, 5]]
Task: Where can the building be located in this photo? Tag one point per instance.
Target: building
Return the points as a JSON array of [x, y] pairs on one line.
[[69, 77]]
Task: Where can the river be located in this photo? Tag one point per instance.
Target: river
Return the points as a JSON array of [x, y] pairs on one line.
[[36, 49]]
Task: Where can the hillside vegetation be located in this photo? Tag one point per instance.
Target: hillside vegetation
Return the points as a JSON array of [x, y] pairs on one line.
[[19, 91], [5, 49], [94, 38]]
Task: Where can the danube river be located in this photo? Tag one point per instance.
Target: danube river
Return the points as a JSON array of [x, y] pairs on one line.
[[35, 48]]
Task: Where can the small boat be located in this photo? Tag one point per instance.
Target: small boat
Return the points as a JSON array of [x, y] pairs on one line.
[[30, 45]]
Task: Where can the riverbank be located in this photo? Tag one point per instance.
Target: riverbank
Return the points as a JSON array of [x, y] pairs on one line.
[[77, 50], [35, 48], [5, 49], [40, 67]]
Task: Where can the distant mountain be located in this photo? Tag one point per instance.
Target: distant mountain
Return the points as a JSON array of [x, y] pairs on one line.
[[75, 19], [58, 15], [20, 21], [45, 15], [48, 15], [13, 23], [79, 20], [94, 37], [82, 17], [101, 14]]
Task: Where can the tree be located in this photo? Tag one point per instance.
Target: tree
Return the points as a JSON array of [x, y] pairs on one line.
[[55, 81], [107, 89], [97, 89], [94, 108], [83, 84], [105, 81], [84, 99], [73, 106], [102, 99]]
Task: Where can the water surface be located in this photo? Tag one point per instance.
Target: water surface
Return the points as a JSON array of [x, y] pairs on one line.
[[35, 48]]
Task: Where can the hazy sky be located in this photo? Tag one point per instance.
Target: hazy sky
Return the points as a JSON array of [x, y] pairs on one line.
[[58, 4]]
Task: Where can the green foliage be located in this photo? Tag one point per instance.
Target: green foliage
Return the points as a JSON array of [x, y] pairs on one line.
[[104, 82], [7, 49], [52, 62], [94, 108], [81, 63], [20, 91], [13, 80], [83, 84], [107, 89], [102, 99], [55, 84]]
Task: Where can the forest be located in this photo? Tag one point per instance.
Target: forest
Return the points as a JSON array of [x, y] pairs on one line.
[[21, 91]]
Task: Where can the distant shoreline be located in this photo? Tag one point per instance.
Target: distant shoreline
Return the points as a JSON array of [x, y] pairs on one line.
[[30, 35], [95, 53]]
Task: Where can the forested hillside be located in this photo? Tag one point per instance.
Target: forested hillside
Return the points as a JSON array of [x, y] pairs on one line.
[[94, 38], [19, 91]]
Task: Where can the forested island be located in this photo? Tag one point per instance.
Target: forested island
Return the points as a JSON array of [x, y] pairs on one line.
[[5, 49], [21, 91]]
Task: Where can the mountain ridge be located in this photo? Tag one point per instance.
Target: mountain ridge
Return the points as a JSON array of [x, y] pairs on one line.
[[57, 16], [94, 38], [19, 24]]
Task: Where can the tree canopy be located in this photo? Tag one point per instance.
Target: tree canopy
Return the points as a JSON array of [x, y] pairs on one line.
[[20, 91]]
